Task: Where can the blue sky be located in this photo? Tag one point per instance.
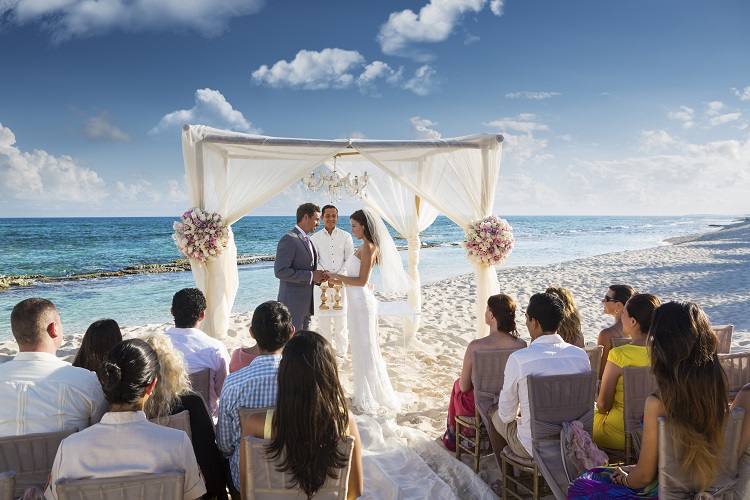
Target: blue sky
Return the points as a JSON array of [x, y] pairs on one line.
[[637, 107]]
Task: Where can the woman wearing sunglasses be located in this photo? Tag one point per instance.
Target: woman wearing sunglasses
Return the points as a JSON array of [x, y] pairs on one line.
[[613, 302]]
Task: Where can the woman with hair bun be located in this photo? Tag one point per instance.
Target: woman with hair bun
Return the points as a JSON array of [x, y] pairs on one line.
[[613, 303], [124, 443]]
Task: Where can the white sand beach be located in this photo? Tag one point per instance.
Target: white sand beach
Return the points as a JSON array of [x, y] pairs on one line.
[[712, 270]]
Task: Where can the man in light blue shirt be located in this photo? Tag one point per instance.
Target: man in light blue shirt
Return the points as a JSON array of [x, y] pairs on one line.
[[548, 354], [255, 385]]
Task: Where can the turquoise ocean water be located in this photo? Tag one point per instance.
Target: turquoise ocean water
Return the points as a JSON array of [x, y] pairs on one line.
[[58, 247]]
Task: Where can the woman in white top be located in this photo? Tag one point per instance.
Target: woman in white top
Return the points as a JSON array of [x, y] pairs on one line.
[[124, 443]]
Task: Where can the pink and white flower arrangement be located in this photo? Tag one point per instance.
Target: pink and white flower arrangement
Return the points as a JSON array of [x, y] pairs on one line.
[[200, 235], [489, 241]]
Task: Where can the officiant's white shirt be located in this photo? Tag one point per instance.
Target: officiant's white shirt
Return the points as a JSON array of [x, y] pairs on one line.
[[333, 251]]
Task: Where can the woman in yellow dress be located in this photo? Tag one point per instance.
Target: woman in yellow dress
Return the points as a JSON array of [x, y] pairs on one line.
[[609, 426]]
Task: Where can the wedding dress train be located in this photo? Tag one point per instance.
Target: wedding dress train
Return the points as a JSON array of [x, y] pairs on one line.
[[372, 386]]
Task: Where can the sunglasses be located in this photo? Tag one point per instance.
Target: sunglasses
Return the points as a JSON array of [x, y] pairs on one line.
[[609, 299]]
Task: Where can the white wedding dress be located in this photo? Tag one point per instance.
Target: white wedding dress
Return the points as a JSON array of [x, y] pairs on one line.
[[373, 392]]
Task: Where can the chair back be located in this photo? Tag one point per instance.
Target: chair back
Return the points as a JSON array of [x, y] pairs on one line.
[[263, 482], [164, 486], [618, 341], [488, 377], [673, 484], [637, 384], [736, 367], [201, 382], [179, 421], [724, 332], [31, 457], [553, 400], [595, 356], [7, 485]]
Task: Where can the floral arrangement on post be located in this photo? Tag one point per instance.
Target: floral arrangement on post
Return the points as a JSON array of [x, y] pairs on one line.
[[201, 236], [489, 241]]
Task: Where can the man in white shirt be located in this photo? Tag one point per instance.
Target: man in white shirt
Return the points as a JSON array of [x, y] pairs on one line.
[[199, 350], [39, 391], [334, 247], [548, 354]]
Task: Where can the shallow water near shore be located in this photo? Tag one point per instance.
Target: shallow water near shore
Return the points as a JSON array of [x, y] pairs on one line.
[[69, 247]]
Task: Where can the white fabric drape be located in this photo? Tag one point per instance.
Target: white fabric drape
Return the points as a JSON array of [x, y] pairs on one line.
[[457, 176], [407, 214], [233, 180]]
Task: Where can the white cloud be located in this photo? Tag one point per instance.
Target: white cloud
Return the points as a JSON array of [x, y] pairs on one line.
[[42, 177], [725, 118], [743, 94], [100, 128], [496, 6], [656, 140], [211, 108], [683, 114], [713, 108], [531, 95], [434, 23], [522, 148], [422, 128], [310, 70], [375, 71], [424, 81], [66, 19], [521, 123]]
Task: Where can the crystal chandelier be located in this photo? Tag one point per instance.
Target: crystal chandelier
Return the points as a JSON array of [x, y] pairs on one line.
[[334, 182]]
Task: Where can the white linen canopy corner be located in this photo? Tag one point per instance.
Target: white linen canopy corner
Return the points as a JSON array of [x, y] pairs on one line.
[[233, 174]]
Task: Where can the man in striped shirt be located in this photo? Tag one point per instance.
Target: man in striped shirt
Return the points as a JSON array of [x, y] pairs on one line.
[[254, 386]]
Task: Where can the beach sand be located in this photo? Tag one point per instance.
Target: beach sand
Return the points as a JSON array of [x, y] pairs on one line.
[[712, 270]]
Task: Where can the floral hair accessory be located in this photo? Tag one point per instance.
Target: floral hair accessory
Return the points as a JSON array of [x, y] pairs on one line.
[[489, 241], [201, 236]]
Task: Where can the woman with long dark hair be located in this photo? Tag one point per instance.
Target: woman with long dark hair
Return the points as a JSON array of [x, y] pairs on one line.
[[500, 316], [124, 443], [310, 419], [99, 338], [691, 394], [372, 386]]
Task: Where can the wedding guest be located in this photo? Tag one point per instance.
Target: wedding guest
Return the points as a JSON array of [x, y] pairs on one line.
[[243, 356], [99, 338], [613, 302], [570, 328], [124, 443], [683, 355], [254, 386], [199, 350], [609, 424], [500, 316], [173, 395], [309, 391], [40, 392]]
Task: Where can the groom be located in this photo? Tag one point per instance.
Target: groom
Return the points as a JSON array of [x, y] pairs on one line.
[[295, 266]]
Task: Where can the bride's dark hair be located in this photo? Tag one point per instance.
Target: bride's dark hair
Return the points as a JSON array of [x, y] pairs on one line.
[[311, 415], [361, 218]]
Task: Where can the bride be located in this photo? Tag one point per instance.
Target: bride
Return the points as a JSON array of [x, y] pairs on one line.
[[372, 387]]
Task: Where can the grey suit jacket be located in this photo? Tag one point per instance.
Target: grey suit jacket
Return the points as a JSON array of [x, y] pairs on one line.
[[293, 267]]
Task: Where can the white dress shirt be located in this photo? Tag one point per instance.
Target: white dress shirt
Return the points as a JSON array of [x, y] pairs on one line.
[[333, 251], [547, 355], [126, 444], [42, 393], [201, 351]]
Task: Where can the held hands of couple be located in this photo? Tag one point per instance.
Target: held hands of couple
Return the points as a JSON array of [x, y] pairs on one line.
[[319, 276]]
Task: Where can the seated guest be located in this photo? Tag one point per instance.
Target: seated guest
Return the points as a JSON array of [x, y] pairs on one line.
[[99, 338], [548, 354], [742, 400], [254, 386], [500, 316], [609, 424], [199, 350], [171, 396], [613, 301], [39, 391], [124, 443], [310, 392], [683, 356], [243, 356], [570, 328]]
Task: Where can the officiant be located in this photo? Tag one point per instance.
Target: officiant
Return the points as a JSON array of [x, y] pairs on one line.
[[334, 247]]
